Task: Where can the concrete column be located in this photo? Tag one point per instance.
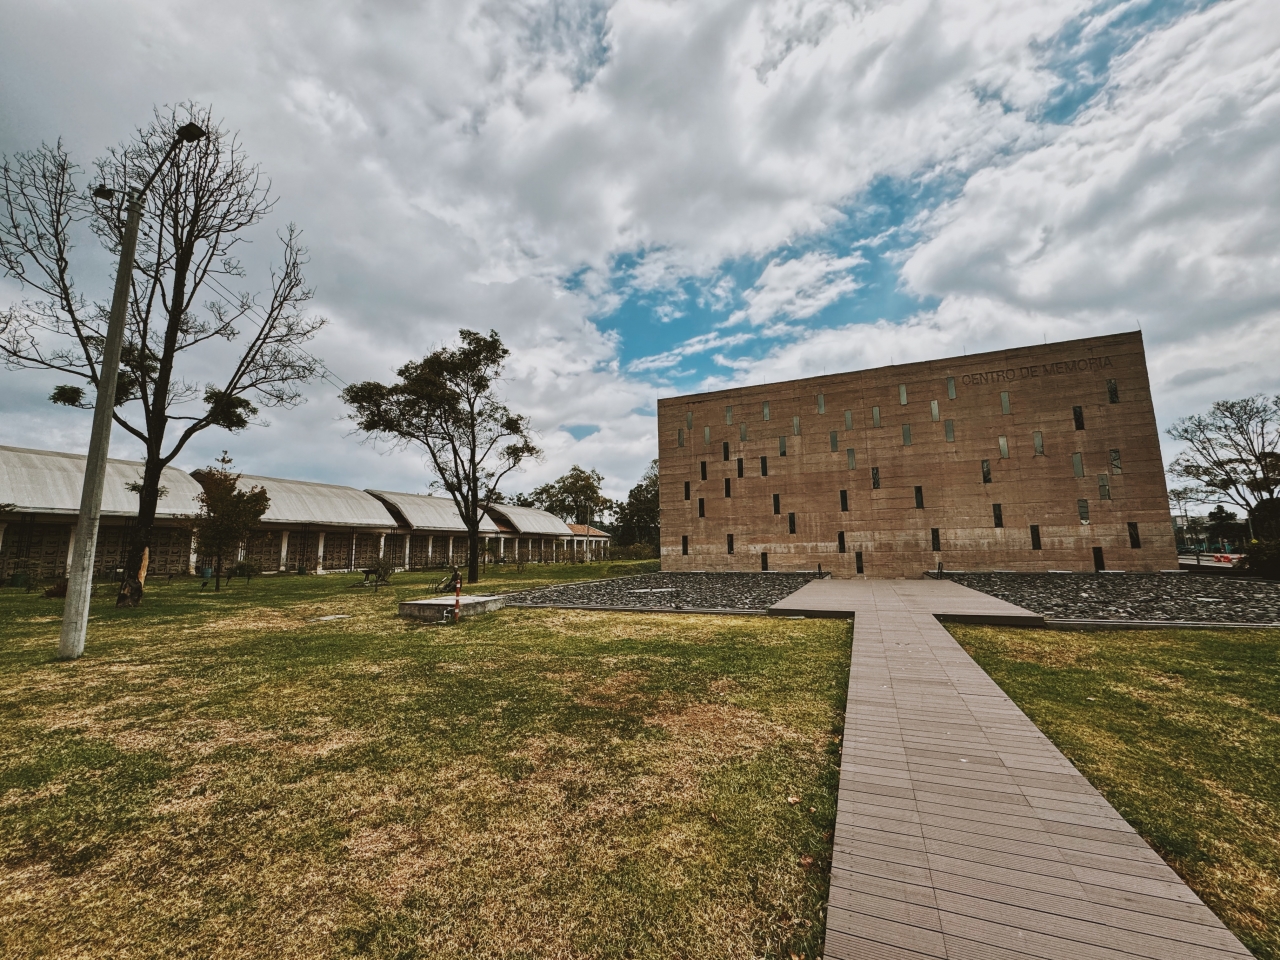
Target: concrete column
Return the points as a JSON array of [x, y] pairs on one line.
[[320, 552], [430, 543], [284, 551], [408, 538], [192, 560], [351, 559], [501, 545], [451, 551], [71, 542], [382, 545]]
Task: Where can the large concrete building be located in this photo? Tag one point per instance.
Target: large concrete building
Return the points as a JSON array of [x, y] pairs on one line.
[[1034, 459]]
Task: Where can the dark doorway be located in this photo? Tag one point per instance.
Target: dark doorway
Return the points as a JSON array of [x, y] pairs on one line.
[[1098, 563]]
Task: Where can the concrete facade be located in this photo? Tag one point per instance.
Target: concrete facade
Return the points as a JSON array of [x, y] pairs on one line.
[[1038, 458]]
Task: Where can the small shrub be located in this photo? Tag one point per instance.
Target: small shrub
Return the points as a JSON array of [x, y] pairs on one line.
[[58, 590], [1262, 559]]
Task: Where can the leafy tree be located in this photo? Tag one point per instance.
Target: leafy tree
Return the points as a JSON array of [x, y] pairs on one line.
[[447, 405], [227, 513], [1232, 456], [1222, 524], [638, 519], [575, 497], [178, 374]]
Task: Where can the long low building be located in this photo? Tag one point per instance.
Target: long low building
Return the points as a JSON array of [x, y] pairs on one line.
[[1034, 459], [308, 527], [40, 501]]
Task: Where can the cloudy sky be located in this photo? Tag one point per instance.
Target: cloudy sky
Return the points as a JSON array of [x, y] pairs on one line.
[[652, 197]]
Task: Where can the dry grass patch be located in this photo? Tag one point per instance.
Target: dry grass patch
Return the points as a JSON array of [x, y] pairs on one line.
[[219, 777]]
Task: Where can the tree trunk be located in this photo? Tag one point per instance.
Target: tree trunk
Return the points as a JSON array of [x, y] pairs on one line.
[[131, 584], [473, 558]]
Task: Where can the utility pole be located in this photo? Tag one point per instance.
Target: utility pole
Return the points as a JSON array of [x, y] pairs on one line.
[[75, 614]]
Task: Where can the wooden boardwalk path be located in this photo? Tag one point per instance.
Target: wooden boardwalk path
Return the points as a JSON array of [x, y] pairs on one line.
[[962, 832]]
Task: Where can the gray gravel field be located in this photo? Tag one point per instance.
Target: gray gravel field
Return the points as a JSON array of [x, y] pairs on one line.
[[659, 591], [1133, 596]]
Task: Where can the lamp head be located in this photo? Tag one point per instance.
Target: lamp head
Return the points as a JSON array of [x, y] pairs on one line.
[[191, 132]]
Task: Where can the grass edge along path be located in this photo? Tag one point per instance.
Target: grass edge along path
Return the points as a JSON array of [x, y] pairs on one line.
[[1180, 731], [234, 776]]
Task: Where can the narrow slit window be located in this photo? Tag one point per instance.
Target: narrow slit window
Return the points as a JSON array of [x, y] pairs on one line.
[[1135, 539], [703, 464], [848, 419], [777, 504], [1037, 441], [764, 562], [742, 432], [680, 437], [765, 409], [1035, 536], [857, 560], [706, 436], [997, 514], [822, 404], [1004, 448], [686, 489], [933, 410], [844, 501], [791, 523], [902, 394], [840, 542], [795, 426], [875, 416], [741, 468], [1104, 487], [852, 457], [1115, 461], [935, 537], [951, 388], [1077, 464], [875, 478], [725, 451], [1082, 508], [949, 430], [1099, 563], [1004, 402], [702, 507], [1113, 392], [835, 441], [919, 498], [906, 434], [986, 471], [684, 546], [764, 466], [1077, 415], [782, 446], [728, 542], [728, 489], [728, 415], [688, 419]]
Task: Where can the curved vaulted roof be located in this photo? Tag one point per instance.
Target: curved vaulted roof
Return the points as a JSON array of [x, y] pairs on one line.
[[527, 521], [430, 513], [323, 504], [43, 481]]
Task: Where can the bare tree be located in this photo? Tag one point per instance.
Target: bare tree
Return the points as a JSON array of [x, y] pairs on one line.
[[183, 311], [1232, 455], [446, 404]]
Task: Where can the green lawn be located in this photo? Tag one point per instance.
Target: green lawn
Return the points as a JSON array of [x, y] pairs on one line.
[[231, 776], [1180, 731]]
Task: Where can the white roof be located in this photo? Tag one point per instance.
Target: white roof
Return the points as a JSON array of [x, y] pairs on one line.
[[430, 513], [530, 521], [43, 481], [323, 504]]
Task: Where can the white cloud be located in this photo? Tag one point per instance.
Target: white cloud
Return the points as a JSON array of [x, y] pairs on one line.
[[798, 288]]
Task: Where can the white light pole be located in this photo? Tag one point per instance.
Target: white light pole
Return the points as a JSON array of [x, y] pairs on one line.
[[75, 614]]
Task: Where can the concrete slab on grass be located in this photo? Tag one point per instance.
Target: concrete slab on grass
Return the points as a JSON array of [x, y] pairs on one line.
[[440, 609]]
